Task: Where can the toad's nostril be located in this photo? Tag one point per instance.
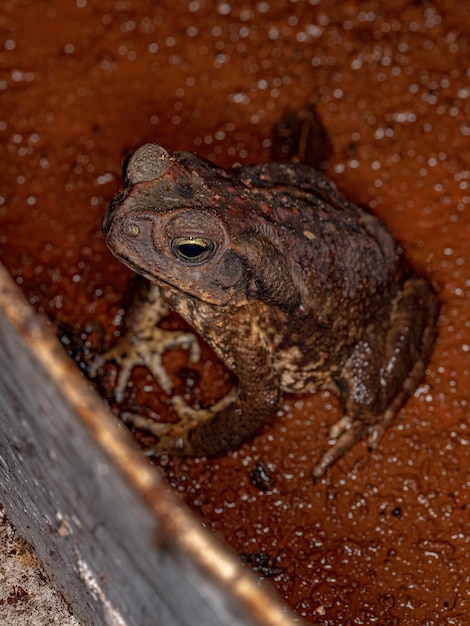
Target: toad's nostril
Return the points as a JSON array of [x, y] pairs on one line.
[[148, 162]]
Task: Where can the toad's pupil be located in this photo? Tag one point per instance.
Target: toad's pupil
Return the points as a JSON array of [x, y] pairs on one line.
[[191, 250]]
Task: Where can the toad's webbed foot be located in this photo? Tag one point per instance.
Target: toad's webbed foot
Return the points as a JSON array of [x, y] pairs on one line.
[[174, 438], [144, 343], [343, 434], [145, 350]]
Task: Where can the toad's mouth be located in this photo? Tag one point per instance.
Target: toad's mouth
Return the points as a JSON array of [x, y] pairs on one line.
[[158, 279]]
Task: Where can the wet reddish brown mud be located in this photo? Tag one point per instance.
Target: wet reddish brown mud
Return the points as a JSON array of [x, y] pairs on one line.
[[382, 538]]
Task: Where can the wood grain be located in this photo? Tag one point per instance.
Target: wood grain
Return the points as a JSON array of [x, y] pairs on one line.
[[116, 541]]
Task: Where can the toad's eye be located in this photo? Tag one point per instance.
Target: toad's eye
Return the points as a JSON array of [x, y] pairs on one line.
[[192, 250]]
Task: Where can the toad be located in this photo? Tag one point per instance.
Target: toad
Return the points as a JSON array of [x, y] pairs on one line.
[[294, 287]]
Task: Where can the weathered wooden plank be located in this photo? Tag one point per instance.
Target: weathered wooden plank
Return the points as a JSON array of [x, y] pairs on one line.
[[118, 544]]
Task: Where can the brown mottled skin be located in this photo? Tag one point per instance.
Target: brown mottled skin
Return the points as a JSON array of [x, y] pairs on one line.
[[294, 287]]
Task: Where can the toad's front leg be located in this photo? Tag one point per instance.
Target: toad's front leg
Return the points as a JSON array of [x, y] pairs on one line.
[[225, 425], [384, 369], [145, 342]]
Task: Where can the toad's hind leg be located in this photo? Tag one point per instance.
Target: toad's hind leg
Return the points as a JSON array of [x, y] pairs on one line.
[[409, 344], [384, 370]]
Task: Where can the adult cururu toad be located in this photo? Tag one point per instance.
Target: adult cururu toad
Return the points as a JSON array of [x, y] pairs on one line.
[[295, 288]]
